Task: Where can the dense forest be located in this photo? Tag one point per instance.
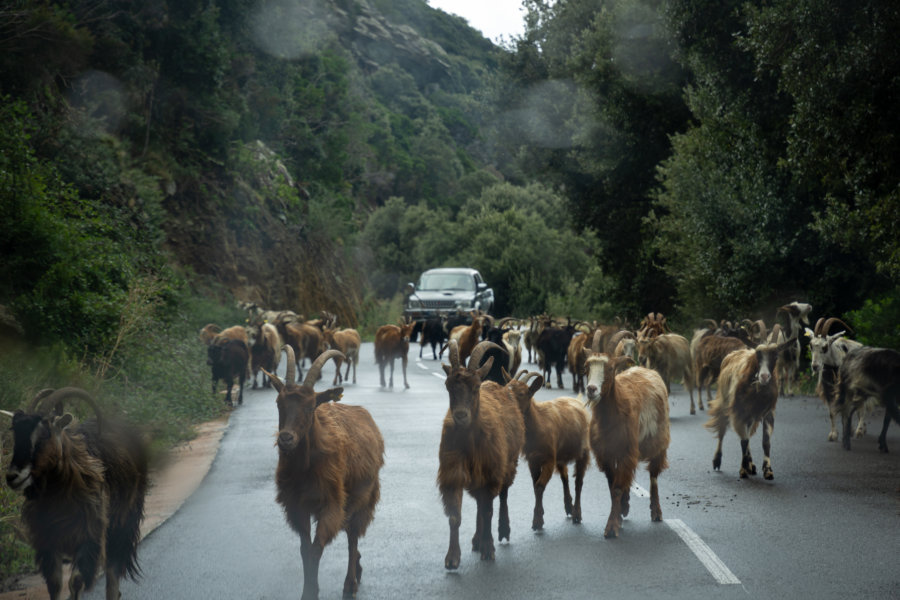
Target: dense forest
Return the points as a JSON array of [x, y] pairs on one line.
[[160, 161]]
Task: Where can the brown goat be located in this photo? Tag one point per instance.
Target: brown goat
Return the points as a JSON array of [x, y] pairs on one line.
[[482, 437], [708, 356], [556, 433], [469, 336], [329, 458], [84, 488], [347, 342], [265, 351], [669, 355], [575, 357], [305, 340], [630, 423], [745, 397], [391, 342]]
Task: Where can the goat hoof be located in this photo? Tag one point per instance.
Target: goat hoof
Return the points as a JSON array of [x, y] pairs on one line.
[[487, 552], [693, 412], [768, 475], [451, 563]]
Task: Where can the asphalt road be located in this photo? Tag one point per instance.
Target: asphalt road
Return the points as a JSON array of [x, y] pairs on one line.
[[826, 527]]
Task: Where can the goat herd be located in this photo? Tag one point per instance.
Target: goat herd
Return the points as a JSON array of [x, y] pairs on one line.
[[84, 484]]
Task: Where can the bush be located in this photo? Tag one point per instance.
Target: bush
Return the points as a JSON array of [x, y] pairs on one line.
[[877, 323]]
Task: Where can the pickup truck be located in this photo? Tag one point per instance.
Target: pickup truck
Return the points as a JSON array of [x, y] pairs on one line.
[[444, 291]]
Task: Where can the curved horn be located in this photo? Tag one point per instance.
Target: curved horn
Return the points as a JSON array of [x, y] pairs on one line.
[[290, 374], [55, 399], [478, 352], [312, 375], [760, 326], [595, 343], [817, 330], [32, 407], [454, 354], [773, 335], [830, 323]]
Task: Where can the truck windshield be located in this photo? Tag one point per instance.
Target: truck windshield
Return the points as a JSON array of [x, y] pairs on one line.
[[446, 281]]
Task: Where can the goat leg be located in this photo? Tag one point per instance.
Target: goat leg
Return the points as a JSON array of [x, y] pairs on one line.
[[768, 430], [486, 508], [563, 471], [540, 476], [503, 529], [580, 468], [50, 565], [452, 499], [747, 466], [354, 569]]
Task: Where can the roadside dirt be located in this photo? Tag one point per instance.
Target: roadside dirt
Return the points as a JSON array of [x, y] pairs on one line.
[[170, 486]]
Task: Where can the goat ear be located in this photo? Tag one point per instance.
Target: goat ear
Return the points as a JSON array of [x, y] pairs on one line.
[[6, 413], [332, 395], [60, 423], [809, 332], [447, 368]]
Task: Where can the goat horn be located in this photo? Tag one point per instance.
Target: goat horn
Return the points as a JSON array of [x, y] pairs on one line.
[[55, 399], [817, 330], [478, 352], [290, 374], [595, 343], [453, 355], [38, 398], [312, 375], [830, 322]]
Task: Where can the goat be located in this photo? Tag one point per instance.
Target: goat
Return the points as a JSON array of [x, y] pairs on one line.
[[481, 438], [629, 424], [391, 342], [264, 351], [746, 395], [708, 356], [228, 360], [869, 375], [553, 345], [433, 334], [575, 359], [669, 355], [652, 325], [789, 360], [535, 326], [306, 341], [468, 336], [84, 489], [347, 342], [827, 352], [329, 458], [556, 433], [511, 342]]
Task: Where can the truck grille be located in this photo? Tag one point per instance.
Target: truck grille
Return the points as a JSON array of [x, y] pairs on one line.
[[439, 303]]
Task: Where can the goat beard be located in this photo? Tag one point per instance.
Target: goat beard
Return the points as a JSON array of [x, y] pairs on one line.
[[298, 455]]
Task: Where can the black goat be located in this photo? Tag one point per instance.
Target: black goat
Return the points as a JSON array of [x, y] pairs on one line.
[[84, 489], [228, 360], [433, 333], [552, 346]]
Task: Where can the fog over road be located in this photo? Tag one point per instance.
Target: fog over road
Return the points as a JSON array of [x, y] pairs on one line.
[[826, 527]]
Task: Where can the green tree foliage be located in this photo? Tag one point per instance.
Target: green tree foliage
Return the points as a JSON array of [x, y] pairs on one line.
[[737, 207], [597, 92]]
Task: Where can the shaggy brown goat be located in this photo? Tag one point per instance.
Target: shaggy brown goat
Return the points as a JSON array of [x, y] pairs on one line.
[[347, 342], [629, 424], [556, 433], [84, 489], [746, 395], [669, 355], [708, 356], [391, 342], [329, 457], [482, 437], [306, 341]]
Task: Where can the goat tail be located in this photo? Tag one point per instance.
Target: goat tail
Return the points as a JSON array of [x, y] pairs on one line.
[[719, 414]]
